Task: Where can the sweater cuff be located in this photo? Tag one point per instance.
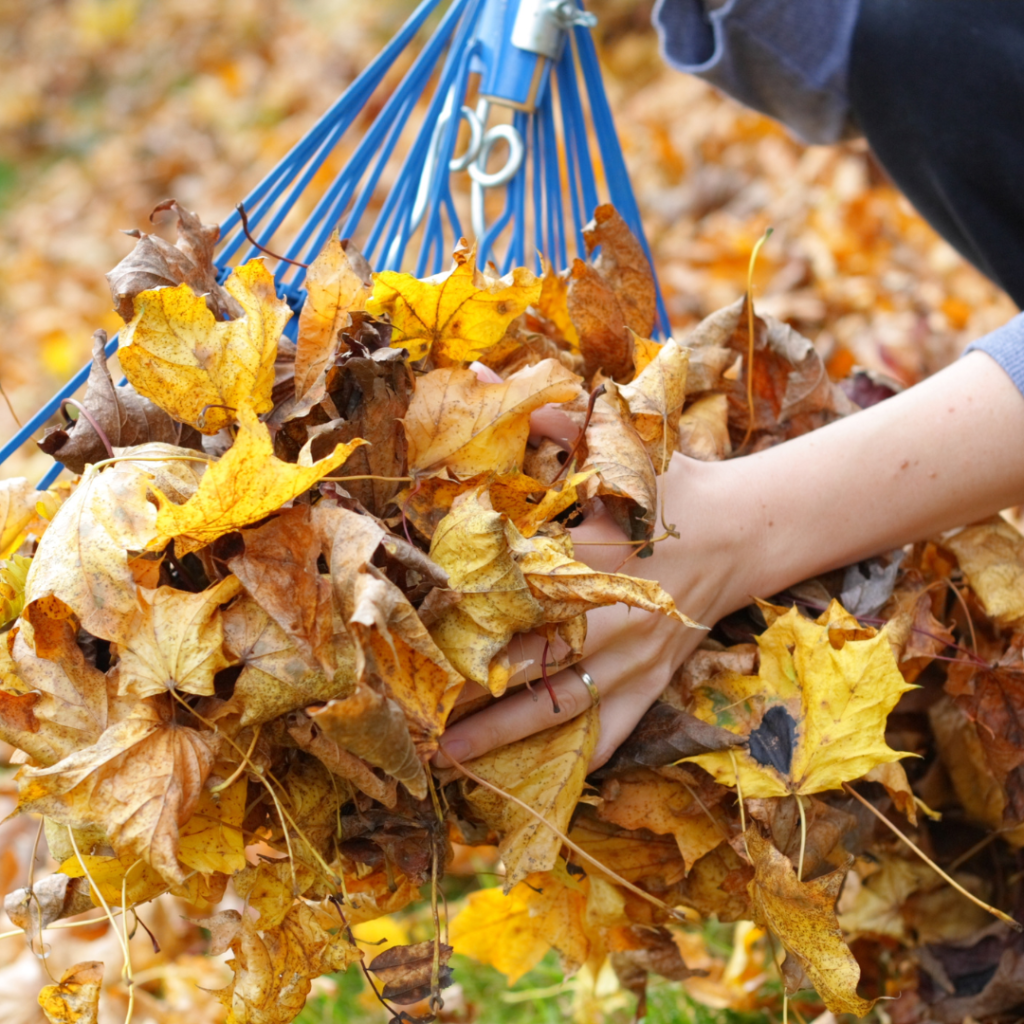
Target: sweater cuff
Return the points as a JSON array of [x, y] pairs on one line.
[[786, 58], [1006, 346]]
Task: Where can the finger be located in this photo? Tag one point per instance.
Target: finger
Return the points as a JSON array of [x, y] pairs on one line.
[[550, 421], [514, 718]]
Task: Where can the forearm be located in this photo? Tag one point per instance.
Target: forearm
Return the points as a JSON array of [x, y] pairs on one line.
[[941, 454]]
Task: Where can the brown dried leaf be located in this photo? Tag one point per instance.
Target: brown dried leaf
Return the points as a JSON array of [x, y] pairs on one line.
[[802, 916], [991, 556], [141, 780], [309, 737], [278, 568], [406, 971], [625, 480], [372, 395], [176, 641], [124, 416], [373, 727], [605, 340], [624, 265], [154, 263]]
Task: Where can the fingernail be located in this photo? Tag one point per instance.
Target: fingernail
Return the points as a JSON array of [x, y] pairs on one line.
[[454, 749]]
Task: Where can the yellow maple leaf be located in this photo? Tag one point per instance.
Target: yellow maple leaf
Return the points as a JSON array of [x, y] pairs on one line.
[[176, 353], [453, 316], [248, 483], [111, 880], [456, 421], [176, 640], [513, 932], [545, 771], [802, 915], [76, 998], [815, 714]]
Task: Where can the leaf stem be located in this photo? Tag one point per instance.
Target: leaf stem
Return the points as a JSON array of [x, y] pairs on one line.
[[594, 396], [1005, 918], [803, 836], [91, 420], [244, 217], [750, 328]]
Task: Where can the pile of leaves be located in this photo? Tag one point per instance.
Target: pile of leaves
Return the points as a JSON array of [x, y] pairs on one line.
[[234, 644]]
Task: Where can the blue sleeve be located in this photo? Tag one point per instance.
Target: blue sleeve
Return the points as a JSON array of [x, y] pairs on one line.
[[1006, 346], [786, 58]]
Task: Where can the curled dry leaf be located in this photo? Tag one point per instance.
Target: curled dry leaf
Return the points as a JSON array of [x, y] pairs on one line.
[[654, 402], [454, 317], [247, 484], [82, 558], [624, 264], [373, 728], [335, 287], [125, 417], [372, 394], [473, 545], [278, 568], [75, 999], [704, 429], [397, 654], [141, 781], [545, 771], [176, 641], [606, 343], [802, 916], [824, 702], [155, 263], [199, 369], [274, 968], [625, 480], [991, 556], [311, 738], [455, 421], [46, 901], [407, 971]]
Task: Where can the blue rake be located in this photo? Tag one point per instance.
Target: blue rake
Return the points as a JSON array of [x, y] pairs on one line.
[[532, 63]]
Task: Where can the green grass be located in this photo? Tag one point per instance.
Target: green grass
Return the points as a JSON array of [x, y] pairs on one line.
[[8, 180], [537, 998]]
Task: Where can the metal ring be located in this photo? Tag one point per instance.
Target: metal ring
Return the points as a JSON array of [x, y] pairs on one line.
[[588, 681]]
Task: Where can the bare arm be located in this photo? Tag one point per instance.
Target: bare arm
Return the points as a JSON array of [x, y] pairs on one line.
[[942, 454]]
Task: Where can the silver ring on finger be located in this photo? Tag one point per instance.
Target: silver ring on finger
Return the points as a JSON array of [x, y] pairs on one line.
[[588, 681]]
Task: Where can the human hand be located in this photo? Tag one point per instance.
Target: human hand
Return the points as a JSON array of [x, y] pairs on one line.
[[630, 654]]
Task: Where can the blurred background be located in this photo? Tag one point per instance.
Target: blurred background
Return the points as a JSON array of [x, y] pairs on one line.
[[108, 107]]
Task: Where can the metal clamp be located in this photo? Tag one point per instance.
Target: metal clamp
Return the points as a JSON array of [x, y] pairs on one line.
[[540, 25]]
